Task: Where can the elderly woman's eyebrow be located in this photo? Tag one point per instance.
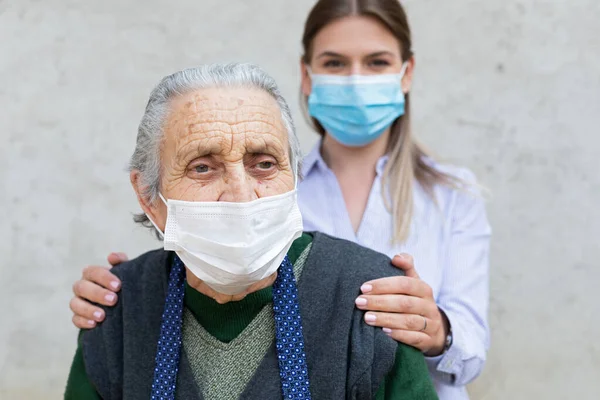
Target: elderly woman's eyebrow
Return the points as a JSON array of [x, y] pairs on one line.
[[271, 147], [198, 149]]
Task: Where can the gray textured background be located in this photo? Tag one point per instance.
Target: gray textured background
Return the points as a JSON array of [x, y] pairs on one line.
[[508, 88]]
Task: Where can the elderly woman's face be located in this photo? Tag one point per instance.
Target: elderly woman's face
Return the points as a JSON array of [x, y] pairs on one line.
[[224, 145]]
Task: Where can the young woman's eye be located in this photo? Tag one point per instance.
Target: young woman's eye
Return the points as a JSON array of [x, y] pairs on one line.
[[379, 63], [333, 64]]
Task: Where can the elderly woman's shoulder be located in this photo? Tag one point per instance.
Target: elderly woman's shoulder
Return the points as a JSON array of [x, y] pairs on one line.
[[355, 262], [152, 264]]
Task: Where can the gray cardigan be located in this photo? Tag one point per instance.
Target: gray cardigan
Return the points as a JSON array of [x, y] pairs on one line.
[[347, 359]]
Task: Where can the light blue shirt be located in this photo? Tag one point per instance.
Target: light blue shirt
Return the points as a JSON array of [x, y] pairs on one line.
[[450, 245]]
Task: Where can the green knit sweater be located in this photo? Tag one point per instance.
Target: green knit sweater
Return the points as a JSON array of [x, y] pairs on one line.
[[409, 379]]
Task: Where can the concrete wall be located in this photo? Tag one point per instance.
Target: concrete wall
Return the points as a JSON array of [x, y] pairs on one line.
[[509, 88]]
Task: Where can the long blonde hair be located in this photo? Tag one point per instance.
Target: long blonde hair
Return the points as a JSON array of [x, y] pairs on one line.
[[406, 158]]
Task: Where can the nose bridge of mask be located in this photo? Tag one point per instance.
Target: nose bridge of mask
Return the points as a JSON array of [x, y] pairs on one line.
[[295, 171]]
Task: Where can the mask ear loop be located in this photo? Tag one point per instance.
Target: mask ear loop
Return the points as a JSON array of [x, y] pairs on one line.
[[296, 176], [402, 73], [403, 69], [308, 70], [152, 222]]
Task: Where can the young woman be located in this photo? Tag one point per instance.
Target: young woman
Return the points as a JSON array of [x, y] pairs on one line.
[[368, 181]]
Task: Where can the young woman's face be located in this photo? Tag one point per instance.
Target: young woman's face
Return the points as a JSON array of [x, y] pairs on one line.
[[355, 45]]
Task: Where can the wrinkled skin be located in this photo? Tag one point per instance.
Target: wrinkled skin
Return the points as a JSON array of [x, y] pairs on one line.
[[221, 145]]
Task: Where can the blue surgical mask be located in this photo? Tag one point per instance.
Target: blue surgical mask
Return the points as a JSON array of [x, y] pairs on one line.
[[356, 109]]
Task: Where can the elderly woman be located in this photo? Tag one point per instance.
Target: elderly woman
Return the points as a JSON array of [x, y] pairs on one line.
[[240, 303]]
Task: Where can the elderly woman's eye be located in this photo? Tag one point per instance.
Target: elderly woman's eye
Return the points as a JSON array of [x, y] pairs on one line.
[[201, 168], [265, 165]]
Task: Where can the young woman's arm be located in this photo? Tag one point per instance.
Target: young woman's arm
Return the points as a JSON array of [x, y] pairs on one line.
[[464, 294], [405, 308]]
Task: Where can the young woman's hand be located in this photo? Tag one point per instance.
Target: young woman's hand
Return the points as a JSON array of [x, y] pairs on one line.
[[405, 308], [97, 285]]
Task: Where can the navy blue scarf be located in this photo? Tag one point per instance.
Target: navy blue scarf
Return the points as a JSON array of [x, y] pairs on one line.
[[289, 339]]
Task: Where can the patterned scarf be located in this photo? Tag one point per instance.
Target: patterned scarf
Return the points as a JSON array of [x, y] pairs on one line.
[[289, 339]]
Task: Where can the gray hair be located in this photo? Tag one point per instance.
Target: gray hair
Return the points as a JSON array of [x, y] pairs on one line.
[[146, 156]]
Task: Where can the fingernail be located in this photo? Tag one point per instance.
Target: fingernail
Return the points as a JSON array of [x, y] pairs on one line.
[[109, 297], [361, 301], [114, 284], [91, 323], [387, 330], [370, 318], [366, 288], [401, 256], [98, 314]]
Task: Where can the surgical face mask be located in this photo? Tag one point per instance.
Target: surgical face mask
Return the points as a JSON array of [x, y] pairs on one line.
[[231, 246], [356, 109]]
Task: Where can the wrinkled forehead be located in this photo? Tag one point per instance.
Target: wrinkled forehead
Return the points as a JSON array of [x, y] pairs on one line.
[[250, 114]]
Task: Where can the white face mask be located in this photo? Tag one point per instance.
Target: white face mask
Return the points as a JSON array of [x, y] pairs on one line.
[[231, 246]]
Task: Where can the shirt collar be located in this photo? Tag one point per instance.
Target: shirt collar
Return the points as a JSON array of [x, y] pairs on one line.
[[315, 160]]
